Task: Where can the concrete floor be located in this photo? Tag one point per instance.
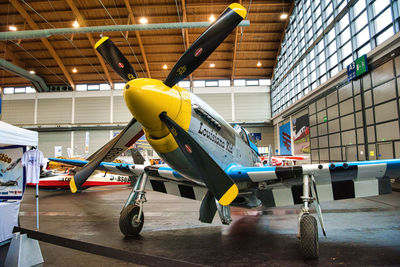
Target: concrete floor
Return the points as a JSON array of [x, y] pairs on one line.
[[360, 231]]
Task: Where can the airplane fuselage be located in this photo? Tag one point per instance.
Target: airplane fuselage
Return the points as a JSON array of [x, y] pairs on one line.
[[147, 98]]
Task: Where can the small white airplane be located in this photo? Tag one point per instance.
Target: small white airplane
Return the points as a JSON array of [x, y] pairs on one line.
[[207, 159]]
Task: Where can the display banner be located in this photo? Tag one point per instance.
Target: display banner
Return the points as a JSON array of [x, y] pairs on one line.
[[301, 132], [285, 139], [12, 174]]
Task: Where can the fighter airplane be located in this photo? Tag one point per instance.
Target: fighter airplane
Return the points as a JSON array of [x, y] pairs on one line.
[[209, 160]]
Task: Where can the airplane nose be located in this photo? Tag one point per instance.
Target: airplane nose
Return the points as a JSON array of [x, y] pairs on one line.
[[148, 98]]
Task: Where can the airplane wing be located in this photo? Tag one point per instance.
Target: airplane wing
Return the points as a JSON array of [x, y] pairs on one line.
[[334, 181], [161, 178]]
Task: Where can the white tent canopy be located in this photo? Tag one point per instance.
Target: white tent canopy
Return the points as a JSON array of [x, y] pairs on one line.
[[12, 135]]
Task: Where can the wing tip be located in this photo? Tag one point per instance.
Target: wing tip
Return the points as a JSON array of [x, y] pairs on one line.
[[229, 195], [239, 9], [99, 42]]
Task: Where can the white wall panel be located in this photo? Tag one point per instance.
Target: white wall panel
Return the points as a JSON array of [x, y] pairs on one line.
[[47, 141], [54, 110], [120, 112], [18, 111], [222, 103], [92, 110], [251, 107]]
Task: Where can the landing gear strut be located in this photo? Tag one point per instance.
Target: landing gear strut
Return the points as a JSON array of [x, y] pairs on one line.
[[308, 228], [131, 218]]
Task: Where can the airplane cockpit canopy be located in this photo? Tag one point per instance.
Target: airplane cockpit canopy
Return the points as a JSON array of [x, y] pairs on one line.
[[246, 137]]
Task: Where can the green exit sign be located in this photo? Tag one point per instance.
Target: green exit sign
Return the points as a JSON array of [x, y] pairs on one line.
[[357, 68]]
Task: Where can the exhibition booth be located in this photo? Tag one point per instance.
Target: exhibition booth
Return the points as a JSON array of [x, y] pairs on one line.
[[13, 143]]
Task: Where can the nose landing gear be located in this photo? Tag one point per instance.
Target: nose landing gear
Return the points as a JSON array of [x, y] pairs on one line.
[[131, 218]]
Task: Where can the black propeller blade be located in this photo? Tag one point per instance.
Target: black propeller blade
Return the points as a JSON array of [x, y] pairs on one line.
[[213, 36], [217, 181], [109, 51]]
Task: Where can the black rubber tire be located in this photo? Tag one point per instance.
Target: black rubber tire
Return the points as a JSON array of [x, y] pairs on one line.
[[309, 237], [126, 221]]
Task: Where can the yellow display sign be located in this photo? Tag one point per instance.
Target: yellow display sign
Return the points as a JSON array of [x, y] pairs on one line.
[[372, 153]]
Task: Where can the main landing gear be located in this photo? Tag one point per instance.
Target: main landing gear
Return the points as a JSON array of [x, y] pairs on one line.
[[308, 228], [131, 218]]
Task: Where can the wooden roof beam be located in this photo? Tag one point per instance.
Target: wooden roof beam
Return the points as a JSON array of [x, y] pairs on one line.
[[45, 42], [82, 21], [133, 21], [186, 33]]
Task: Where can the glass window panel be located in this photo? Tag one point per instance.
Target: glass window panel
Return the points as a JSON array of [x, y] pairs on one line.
[[361, 21], [239, 82], [362, 37], [8, 90], [359, 7], [93, 87], [119, 86], [252, 82], [19, 90], [82, 87], [347, 61], [262, 82], [380, 5], [364, 50], [344, 22], [105, 86], [345, 36], [383, 20], [331, 35], [384, 36], [211, 83], [332, 48], [333, 61], [30, 90]]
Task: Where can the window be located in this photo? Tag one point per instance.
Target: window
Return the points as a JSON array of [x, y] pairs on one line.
[[105, 86], [119, 86], [384, 36], [361, 21], [185, 84], [224, 83], [93, 87], [239, 82], [19, 90], [362, 37], [199, 83], [81, 87], [265, 82], [383, 20], [30, 90], [252, 82], [8, 90]]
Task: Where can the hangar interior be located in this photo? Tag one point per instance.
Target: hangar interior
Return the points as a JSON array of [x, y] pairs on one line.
[[286, 78]]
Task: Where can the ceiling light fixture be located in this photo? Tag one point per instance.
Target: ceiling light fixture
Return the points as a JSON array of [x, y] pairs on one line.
[[212, 65], [284, 16], [143, 20], [74, 70], [212, 18], [259, 64], [165, 66], [12, 28], [32, 72], [75, 24]]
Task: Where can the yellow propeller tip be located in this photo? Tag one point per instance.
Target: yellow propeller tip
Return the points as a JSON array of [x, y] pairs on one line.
[[99, 42], [72, 185], [238, 8], [229, 195]]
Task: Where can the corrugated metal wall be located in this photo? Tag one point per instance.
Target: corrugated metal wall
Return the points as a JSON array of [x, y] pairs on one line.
[[120, 112], [57, 110], [92, 109], [19, 111], [222, 103], [251, 107]]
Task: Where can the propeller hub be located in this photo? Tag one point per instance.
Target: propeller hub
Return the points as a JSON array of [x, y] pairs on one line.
[[148, 98]]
